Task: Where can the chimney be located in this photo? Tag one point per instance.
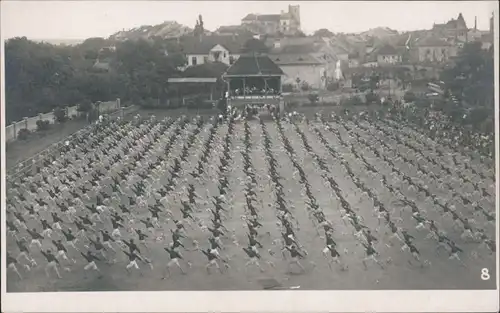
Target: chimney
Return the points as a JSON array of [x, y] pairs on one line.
[[475, 23]]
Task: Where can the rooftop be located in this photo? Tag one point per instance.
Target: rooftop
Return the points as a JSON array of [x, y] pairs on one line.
[[254, 65], [387, 50], [431, 42], [293, 59], [203, 45], [262, 17]]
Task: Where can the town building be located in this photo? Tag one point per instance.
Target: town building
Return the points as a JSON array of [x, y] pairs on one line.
[[311, 64], [204, 49], [387, 55], [453, 29], [287, 23], [433, 50]]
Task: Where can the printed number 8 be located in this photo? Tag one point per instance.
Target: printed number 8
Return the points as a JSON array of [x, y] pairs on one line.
[[485, 275]]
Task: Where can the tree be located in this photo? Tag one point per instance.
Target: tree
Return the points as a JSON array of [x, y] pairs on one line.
[[199, 28], [472, 76], [60, 115], [300, 34], [85, 106], [409, 96], [40, 76], [323, 32]]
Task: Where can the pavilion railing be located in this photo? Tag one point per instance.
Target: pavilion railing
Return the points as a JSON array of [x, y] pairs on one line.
[[252, 97]]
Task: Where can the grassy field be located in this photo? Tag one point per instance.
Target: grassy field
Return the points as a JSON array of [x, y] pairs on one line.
[[21, 150], [398, 273]]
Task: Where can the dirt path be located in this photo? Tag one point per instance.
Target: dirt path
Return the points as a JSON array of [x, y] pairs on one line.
[[21, 150]]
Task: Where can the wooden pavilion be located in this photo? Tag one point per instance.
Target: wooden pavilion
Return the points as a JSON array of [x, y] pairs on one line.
[[254, 80]]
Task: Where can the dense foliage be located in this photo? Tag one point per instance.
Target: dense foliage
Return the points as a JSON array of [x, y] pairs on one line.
[[40, 77], [471, 81]]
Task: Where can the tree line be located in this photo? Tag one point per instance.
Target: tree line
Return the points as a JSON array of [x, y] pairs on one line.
[[470, 90], [40, 77]]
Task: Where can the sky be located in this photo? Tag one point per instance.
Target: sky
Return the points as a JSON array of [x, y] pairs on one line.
[[85, 19]]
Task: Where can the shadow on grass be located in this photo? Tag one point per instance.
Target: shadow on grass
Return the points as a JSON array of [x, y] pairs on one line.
[[96, 283]]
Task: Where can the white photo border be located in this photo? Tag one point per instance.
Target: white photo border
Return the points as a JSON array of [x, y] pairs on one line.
[[251, 301], [255, 301]]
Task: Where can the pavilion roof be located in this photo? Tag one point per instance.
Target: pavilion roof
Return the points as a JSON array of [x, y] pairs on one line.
[[254, 65]]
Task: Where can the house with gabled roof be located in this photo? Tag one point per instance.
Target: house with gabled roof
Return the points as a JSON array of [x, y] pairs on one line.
[[454, 28], [204, 49], [387, 55], [433, 49], [312, 64]]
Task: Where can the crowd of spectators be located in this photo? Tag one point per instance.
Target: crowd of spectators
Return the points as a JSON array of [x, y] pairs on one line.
[[440, 126]]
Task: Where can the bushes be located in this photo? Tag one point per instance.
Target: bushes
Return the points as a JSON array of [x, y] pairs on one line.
[[355, 100], [85, 106], [222, 105], [409, 96], [332, 86], [199, 102], [313, 98], [288, 88], [23, 134], [372, 98], [60, 115], [305, 86], [478, 116], [42, 125]]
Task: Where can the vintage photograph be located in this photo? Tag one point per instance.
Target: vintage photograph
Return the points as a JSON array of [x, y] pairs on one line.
[[227, 146]]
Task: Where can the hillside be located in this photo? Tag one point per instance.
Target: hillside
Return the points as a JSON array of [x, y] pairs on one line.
[[168, 29]]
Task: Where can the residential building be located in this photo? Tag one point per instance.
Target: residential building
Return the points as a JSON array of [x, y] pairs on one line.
[[204, 49], [313, 64], [454, 28], [354, 60], [339, 52], [486, 41], [487, 38], [433, 50], [302, 69], [287, 23], [387, 55]]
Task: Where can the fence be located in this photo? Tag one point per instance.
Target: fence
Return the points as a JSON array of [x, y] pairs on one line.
[[33, 162], [12, 130]]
